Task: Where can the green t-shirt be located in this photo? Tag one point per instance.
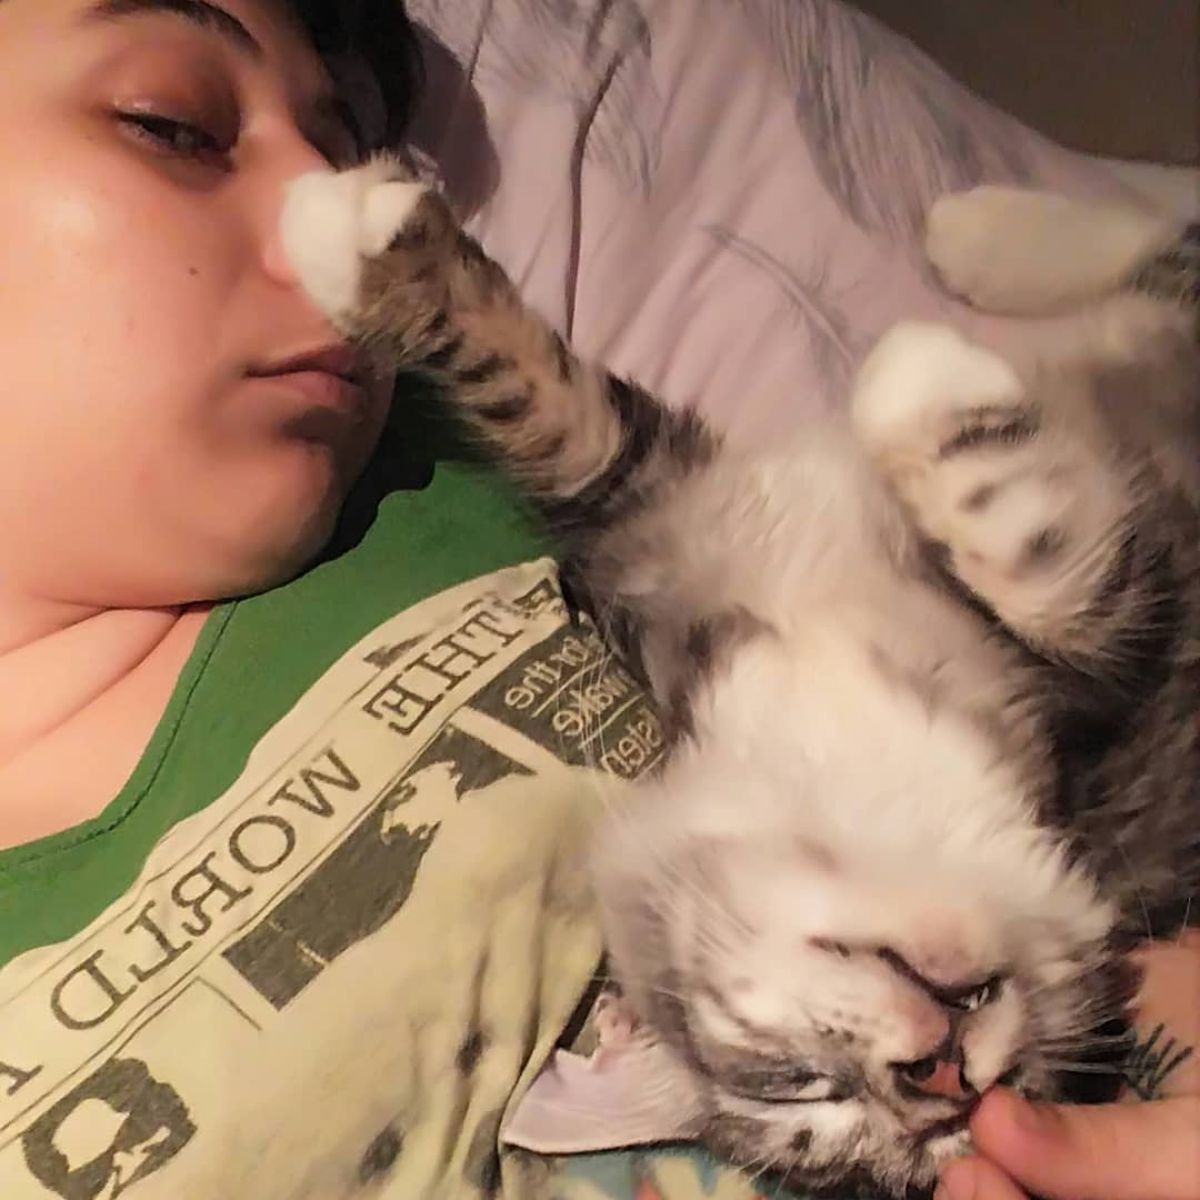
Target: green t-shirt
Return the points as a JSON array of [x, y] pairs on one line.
[[339, 906], [254, 659], [339, 913]]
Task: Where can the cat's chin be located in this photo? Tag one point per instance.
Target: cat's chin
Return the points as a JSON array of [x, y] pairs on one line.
[[942, 1147], [914, 1180], [938, 1149]]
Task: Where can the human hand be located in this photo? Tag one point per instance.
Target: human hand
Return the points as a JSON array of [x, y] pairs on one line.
[[1126, 1151], [1146, 1151]]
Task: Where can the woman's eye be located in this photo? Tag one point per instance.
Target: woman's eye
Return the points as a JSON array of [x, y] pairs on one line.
[[184, 139]]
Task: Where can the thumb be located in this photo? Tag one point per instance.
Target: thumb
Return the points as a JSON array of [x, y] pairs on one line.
[[1146, 1151]]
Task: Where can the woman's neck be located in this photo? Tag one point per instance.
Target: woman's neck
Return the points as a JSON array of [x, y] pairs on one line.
[[84, 691]]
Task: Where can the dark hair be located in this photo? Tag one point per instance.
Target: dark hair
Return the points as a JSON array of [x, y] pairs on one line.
[[372, 52]]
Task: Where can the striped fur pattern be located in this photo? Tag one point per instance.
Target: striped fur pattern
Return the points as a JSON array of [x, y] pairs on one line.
[[933, 677], [1174, 274], [1114, 421]]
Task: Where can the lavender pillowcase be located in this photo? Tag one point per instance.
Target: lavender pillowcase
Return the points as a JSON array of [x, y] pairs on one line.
[[722, 198]]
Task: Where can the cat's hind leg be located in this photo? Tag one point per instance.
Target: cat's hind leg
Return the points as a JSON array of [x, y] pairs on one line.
[[1018, 251], [1029, 501]]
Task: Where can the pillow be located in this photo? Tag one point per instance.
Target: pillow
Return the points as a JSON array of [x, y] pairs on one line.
[[722, 198]]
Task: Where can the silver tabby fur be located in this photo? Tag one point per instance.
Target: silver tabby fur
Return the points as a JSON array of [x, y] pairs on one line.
[[932, 674]]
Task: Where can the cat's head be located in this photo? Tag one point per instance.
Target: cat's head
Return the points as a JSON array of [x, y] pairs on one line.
[[835, 945]]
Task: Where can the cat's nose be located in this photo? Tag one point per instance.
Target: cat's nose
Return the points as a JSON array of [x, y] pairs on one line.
[[936, 1076]]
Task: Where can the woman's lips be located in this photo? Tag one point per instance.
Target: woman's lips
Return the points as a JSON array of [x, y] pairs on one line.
[[318, 389]]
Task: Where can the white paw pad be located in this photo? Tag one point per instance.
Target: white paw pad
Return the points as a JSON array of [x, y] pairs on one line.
[[919, 380], [332, 221]]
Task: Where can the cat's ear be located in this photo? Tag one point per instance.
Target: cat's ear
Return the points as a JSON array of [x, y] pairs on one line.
[[629, 1094]]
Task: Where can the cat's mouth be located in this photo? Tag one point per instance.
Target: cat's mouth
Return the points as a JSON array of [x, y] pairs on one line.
[[947, 1126], [1011, 1077]]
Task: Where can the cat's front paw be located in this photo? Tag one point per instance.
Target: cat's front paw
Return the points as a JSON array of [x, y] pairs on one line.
[[333, 222]]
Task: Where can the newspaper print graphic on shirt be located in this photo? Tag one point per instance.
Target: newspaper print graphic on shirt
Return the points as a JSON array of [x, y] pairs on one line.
[[457, 722]]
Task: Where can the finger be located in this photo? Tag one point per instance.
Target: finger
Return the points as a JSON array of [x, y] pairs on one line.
[[1147, 1151], [976, 1179]]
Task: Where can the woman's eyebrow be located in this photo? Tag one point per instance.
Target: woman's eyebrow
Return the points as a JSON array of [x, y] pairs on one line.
[[198, 12]]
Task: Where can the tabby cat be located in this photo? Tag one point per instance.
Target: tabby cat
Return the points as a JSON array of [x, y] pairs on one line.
[[931, 673]]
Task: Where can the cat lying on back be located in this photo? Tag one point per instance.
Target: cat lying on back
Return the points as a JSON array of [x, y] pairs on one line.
[[932, 676]]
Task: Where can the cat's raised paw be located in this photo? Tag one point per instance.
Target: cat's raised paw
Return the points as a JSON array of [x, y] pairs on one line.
[[333, 221], [1020, 251]]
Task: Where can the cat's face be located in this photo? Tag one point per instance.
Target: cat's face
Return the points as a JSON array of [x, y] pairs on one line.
[[843, 947]]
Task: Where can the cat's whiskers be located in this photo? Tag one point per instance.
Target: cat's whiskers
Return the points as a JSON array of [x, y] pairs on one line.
[[1082, 1068], [1085, 1020], [1185, 924], [669, 993], [1038, 991], [1069, 1042], [756, 1168], [1137, 891]]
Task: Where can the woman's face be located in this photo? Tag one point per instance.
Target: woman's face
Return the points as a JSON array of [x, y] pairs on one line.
[[160, 441]]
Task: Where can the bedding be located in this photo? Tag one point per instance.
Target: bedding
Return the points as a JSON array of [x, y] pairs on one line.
[[723, 198]]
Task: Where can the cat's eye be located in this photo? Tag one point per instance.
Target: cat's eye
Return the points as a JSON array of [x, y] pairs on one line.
[[786, 1087], [972, 999], [820, 1088], [172, 135]]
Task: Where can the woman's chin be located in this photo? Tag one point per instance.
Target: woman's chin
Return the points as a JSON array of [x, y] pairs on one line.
[[269, 553], [286, 560], [255, 532]]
